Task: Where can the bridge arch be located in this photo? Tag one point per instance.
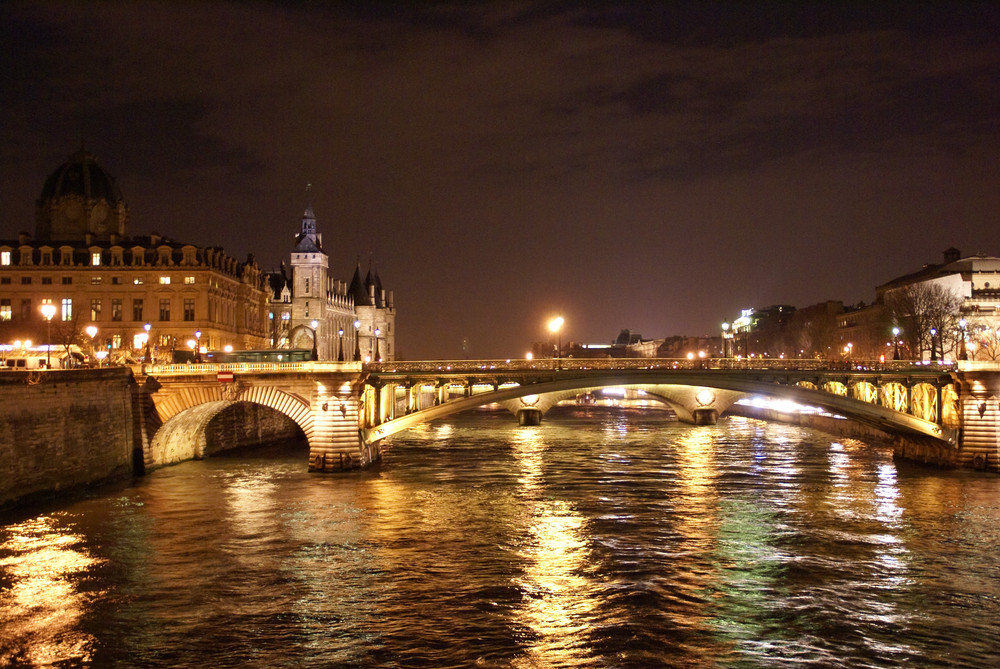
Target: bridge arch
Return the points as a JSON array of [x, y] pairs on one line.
[[187, 412], [860, 403]]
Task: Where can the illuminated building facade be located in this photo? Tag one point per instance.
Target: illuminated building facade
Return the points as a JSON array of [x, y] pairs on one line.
[[310, 309], [82, 260]]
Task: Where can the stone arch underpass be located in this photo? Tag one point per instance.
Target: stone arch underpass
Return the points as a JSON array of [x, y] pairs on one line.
[[694, 397], [186, 412]]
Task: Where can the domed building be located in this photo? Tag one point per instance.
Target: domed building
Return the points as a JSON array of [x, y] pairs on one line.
[[132, 289], [80, 199]]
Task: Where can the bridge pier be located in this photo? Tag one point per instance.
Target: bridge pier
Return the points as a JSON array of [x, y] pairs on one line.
[[529, 416], [705, 416]]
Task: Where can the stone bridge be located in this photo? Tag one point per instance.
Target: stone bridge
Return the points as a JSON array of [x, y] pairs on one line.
[[948, 414]]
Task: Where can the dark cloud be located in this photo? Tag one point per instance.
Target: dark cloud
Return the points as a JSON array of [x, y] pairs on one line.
[[648, 165]]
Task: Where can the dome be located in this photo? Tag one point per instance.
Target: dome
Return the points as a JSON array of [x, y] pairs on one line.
[[78, 200], [81, 175]]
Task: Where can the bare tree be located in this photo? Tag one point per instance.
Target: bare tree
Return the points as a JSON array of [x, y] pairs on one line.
[[919, 308], [986, 339]]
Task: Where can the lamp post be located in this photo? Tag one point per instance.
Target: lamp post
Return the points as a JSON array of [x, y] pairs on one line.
[[48, 311], [895, 343], [145, 352], [197, 346], [726, 348], [963, 351], [357, 341], [91, 331], [315, 353], [378, 356], [555, 327], [934, 345]]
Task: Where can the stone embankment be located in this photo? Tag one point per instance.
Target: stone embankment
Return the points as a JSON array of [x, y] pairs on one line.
[[64, 429]]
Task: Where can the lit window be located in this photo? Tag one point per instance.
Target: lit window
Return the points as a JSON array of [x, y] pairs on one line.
[[95, 258], [67, 309], [6, 311], [189, 280], [164, 280], [4, 257], [137, 281], [95, 280]]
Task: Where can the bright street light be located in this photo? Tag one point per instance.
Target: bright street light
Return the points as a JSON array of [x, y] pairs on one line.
[[555, 327], [48, 311]]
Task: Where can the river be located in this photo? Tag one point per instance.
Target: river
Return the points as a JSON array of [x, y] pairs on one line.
[[602, 538]]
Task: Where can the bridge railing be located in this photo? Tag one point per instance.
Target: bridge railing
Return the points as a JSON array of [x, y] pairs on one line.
[[552, 364], [247, 367], [582, 364]]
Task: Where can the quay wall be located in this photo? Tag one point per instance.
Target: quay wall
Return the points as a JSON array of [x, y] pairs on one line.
[[65, 429]]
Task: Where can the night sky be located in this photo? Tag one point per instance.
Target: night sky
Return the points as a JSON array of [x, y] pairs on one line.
[[656, 167]]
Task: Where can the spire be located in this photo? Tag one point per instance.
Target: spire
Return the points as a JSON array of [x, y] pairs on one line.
[[308, 240], [359, 288], [309, 218]]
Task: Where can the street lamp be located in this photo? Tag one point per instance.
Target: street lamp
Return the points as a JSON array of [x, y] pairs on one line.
[[963, 351], [48, 311], [91, 331], [726, 348], [340, 344], [895, 343], [145, 353], [197, 346], [357, 341], [378, 356], [934, 345], [555, 327]]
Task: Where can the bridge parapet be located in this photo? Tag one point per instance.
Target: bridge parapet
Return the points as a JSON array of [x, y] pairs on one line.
[[449, 367]]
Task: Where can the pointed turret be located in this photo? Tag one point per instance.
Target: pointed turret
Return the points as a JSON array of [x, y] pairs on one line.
[[308, 240]]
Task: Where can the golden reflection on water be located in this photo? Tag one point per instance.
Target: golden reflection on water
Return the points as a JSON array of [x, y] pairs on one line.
[[560, 598], [41, 610]]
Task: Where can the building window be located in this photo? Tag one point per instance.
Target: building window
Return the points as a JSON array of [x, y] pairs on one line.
[[164, 280], [6, 311], [189, 309], [67, 280], [137, 281], [95, 258], [116, 281], [25, 280], [165, 309], [116, 341], [4, 257], [67, 308], [47, 257], [46, 280], [307, 286], [189, 280], [116, 308], [95, 280], [95, 309], [26, 308], [5, 280], [137, 309]]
